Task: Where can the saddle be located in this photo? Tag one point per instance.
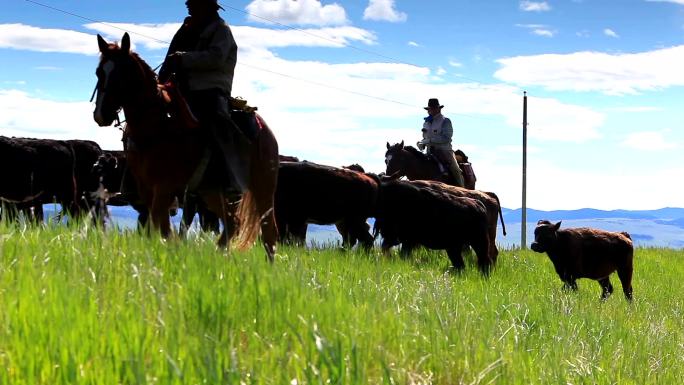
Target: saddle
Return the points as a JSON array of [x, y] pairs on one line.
[[469, 177], [244, 115], [246, 118], [177, 105]]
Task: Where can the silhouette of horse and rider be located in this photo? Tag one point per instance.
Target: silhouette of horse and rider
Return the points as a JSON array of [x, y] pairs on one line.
[[166, 154]]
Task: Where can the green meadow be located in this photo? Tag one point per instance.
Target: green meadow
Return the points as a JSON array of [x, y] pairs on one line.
[[82, 306]]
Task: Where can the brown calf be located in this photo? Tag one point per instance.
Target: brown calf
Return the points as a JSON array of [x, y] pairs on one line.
[[587, 253]]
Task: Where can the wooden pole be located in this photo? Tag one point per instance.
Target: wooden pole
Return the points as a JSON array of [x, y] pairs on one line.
[[523, 232]]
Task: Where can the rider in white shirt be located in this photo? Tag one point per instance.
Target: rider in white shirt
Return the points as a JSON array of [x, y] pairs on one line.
[[437, 133]]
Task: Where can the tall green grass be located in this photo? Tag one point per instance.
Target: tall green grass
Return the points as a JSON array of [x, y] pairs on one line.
[[78, 306]]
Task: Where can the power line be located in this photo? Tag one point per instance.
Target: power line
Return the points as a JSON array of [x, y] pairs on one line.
[[319, 36], [347, 45], [95, 21], [329, 86], [260, 68]]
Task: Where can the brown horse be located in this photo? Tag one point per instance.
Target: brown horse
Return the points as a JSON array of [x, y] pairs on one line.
[[164, 153], [413, 164]]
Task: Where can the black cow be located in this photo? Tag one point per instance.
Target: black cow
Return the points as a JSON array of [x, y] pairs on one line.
[[313, 193], [86, 153], [411, 214], [18, 185], [43, 168], [587, 253], [489, 199], [112, 168], [50, 171]]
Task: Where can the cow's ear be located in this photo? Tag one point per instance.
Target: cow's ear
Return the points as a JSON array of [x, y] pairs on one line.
[[101, 43], [557, 226], [388, 146], [126, 43]]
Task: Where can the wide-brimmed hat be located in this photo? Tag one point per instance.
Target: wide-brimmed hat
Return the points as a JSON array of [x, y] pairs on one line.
[[214, 2], [433, 103]]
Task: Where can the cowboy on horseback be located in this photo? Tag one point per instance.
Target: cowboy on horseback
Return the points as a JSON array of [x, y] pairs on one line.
[[437, 133], [201, 59]]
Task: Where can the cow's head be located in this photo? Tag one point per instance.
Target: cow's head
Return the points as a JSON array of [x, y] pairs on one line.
[[545, 235], [105, 169]]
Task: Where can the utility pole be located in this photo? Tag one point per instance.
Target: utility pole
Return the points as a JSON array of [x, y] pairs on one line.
[[523, 232]]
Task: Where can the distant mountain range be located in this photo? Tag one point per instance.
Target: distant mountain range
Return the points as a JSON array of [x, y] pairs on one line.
[[658, 228], [655, 228]]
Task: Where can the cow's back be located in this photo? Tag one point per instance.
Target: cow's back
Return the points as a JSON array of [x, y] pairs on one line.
[[323, 194], [594, 252], [412, 213], [54, 170]]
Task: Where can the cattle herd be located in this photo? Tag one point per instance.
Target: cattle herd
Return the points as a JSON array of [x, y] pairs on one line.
[[78, 175]]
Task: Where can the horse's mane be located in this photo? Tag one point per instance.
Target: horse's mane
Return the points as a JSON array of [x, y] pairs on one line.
[[149, 74], [147, 70], [415, 152]]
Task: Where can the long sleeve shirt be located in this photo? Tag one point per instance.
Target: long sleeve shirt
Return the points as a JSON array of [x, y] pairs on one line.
[[208, 59], [437, 132]]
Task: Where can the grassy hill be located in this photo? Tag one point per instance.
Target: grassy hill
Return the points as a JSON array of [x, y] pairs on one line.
[[80, 306]]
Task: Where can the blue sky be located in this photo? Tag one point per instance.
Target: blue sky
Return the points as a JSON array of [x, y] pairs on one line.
[[605, 81]]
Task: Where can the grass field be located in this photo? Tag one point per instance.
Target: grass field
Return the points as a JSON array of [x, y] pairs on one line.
[[81, 307]]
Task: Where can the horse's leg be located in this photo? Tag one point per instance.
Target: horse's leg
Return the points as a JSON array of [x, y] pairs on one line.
[[263, 180], [209, 221], [159, 212], [225, 209], [189, 210]]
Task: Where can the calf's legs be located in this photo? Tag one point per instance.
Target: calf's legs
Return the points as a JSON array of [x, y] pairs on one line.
[[625, 275], [607, 288]]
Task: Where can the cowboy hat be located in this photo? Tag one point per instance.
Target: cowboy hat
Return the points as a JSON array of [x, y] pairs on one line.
[[214, 2], [433, 103]]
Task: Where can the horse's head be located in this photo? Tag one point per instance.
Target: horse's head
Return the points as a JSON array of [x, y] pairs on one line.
[[394, 158], [117, 73]]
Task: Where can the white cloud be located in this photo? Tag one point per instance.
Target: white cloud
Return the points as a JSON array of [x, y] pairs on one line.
[[543, 32], [648, 141], [48, 68], [337, 113], [538, 29], [250, 38], [455, 64], [555, 186], [635, 109], [667, 1], [413, 44], [610, 33], [614, 74], [583, 33], [535, 6], [383, 10], [25, 37], [301, 12], [28, 116]]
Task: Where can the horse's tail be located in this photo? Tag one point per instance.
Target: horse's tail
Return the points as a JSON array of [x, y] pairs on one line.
[[255, 211], [248, 219]]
